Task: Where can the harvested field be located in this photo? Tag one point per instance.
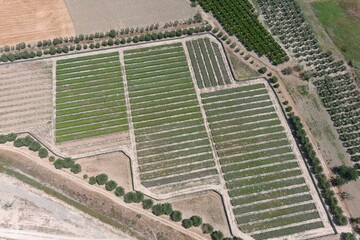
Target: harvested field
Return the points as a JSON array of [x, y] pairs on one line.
[[115, 165], [208, 63], [100, 16], [171, 141], [30, 21], [268, 191], [25, 96], [89, 97]]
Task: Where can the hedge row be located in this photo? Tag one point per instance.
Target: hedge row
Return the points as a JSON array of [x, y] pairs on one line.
[[323, 183]]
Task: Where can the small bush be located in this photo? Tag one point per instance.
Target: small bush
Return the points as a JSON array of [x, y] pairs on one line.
[[262, 70], [176, 216], [52, 159], [27, 141], [157, 210], [217, 235], [119, 191], [110, 185], [11, 137], [138, 197], [287, 71], [92, 180], [34, 146], [43, 153], [187, 223], [18, 142], [167, 208], [207, 228], [347, 236], [197, 221], [147, 203], [3, 139], [76, 168], [129, 197], [101, 179], [112, 33]]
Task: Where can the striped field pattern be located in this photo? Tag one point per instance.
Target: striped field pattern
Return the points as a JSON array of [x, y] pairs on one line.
[[268, 192], [207, 62], [89, 97], [171, 141]]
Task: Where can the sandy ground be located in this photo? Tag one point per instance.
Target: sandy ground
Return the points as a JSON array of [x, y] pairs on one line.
[[115, 165], [208, 205], [102, 15], [25, 96], [30, 21], [34, 212]]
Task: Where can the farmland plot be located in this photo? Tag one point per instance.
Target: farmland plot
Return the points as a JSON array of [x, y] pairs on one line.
[[268, 192], [89, 97], [171, 140], [207, 62]]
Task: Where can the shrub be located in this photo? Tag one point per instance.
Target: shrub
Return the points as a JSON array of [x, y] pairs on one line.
[[187, 223], [43, 153], [147, 203], [34, 146], [347, 173], [101, 179], [262, 70], [52, 159], [3, 139], [92, 180], [58, 163], [157, 210], [112, 33], [18, 143], [288, 109], [167, 208], [11, 137], [27, 141], [287, 71], [85, 176], [110, 185], [138, 197], [197, 221], [119, 191], [129, 197], [217, 235], [76, 168], [207, 228], [176, 216], [347, 236]]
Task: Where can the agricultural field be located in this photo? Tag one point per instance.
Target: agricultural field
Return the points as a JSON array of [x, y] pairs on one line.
[[266, 183], [89, 97], [171, 140], [30, 21], [125, 13], [25, 96], [207, 63]]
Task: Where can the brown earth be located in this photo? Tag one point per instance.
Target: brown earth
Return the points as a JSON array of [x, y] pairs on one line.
[[30, 21], [352, 6]]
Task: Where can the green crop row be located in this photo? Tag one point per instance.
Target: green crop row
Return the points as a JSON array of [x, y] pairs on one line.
[[89, 73], [266, 187], [200, 62], [95, 133], [160, 90], [155, 85], [82, 115], [173, 163], [269, 195], [153, 57], [221, 63], [288, 230], [88, 79], [160, 79], [88, 62], [90, 108], [162, 101], [260, 170], [158, 122], [87, 96], [272, 204], [177, 170], [89, 101], [206, 45], [157, 52], [234, 96], [61, 72], [160, 96], [78, 59], [201, 46], [145, 49], [173, 106], [166, 114], [157, 74], [71, 131], [195, 65], [258, 163], [90, 90], [224, 92], [98, 119], [89, 84], [155, 63], [238, 104], [157, 68]]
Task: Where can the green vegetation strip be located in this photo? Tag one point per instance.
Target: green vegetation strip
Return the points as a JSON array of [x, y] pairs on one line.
[[82, 115], [195, 65], [89, 108], [221, 63], [252, 140], [157, 122], [155, 85], [95, 71], [67, 200], [89, 84], [145, 49], [89, 101], [87, 68], [269, 196], [232, 90], [155, 63], [160, 79], [89, 79], [158, 74], [288, 231], [90, 90], [207, 61], [87, 96], [153, 57], [98, 132], [240, 96], [158, 52], [71, 60], [164, 89], [201, 64], [139, 71], [175, 106], [88, 62], [213, 60], [93, 120]]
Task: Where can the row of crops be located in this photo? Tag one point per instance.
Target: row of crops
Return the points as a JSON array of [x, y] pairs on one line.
[[268, 192], [89, 97], [207, 62], [171, 140], [238, 18], [335, 86]]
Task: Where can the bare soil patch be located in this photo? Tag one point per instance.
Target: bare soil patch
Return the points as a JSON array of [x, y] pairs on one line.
[[25, 96], [241, 70], [101, 15], [137, 225], [30, 21], [115, 165], [208, 205]]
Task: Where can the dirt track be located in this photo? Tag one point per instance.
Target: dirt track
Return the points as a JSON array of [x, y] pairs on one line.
[[30, 21]]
